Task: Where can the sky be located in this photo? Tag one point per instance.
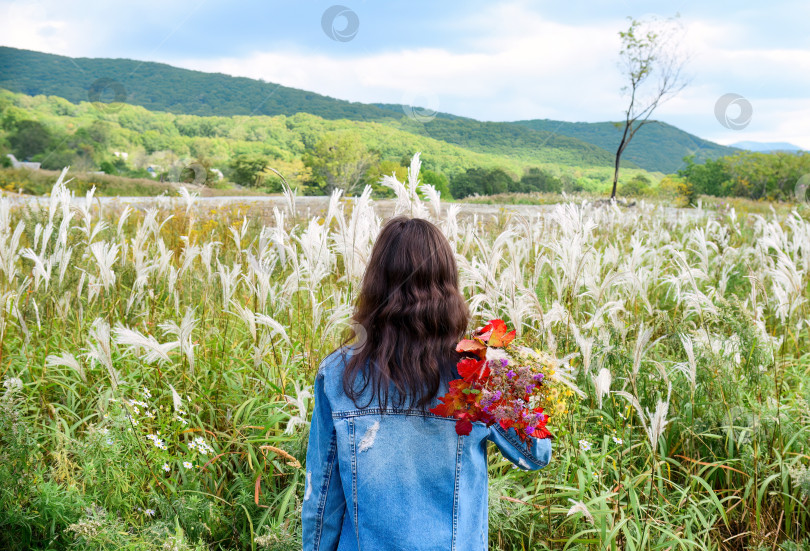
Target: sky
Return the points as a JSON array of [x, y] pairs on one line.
[[747, 63]]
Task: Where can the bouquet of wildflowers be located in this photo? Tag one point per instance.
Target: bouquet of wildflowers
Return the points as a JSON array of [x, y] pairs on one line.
[[501, 383]]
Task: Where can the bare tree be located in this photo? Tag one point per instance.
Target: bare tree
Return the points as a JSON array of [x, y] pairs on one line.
[[652, 62]]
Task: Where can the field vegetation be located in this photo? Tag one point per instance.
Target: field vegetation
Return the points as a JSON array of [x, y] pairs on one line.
[[156, 368]]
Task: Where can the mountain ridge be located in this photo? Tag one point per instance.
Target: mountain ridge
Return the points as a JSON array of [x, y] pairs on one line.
[[156, 86]]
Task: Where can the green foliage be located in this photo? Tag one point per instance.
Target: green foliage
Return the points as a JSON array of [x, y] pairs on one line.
[[771, 176], [338, 161], [247, 169], [536, 179], [482, 182], [438, 181], [29, 138], [637, 186]]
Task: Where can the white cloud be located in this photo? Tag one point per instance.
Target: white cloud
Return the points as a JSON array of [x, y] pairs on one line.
[[512, 62]]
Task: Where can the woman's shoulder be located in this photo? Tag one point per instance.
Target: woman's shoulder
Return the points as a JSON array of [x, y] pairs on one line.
[[333, 365]]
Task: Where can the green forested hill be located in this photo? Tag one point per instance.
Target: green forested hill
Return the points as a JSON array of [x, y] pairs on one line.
[[658, 146], [84, 135], [161, 87]]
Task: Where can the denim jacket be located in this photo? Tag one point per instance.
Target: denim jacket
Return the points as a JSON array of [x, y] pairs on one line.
[[398, 479]]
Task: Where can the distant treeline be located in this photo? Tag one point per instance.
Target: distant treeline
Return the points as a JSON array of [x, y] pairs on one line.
[[770, 176], [314, 155]]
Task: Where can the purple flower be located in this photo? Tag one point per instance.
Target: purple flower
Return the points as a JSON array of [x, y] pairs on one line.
[[510, 374], [497, 395], [529, 430], [504, 362], [529, 389], [538, 377]]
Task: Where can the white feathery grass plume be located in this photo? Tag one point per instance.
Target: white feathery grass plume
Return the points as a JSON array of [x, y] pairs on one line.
[[188, 197], [60, 196], [688, 368], [788, 286], [407, 198], [229, 279], [84, 209], [450, 224], [641, 346], [122, 220], [289, 199], [61, 305], [63, 258], [262, 271], [239, 235], [340, 318], [276, 327], [658, 422], [602, 381], [579, 507], [164, 257], [184, 333], [403, 203], [42, 267], [15, 309], [247, 315], [316, 258], [8, 248], [334, 207], [653, 423], [434, 197], [636, 405], [105, 255], [261, 349], [36, 314], [136, 341], [299, 401], [206, 255], [353, 239], [585, 347], [563, 372], [100, 351], [177, 402], [189, 254], [66, 359], [46, 238]]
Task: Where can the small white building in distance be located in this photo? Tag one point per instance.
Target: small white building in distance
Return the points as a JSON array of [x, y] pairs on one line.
[[122, 154], [22, 164]]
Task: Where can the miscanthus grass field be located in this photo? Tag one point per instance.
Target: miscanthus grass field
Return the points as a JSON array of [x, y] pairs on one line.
[[156, 366]]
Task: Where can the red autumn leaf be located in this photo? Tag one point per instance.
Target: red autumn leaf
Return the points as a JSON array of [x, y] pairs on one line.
[[472, 370], [484, 332], [463, 427], [468, 346], [455, 400], [541, 432], [497, 335]]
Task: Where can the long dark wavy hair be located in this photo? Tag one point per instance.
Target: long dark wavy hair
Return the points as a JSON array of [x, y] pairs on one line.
[[412, 313]]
